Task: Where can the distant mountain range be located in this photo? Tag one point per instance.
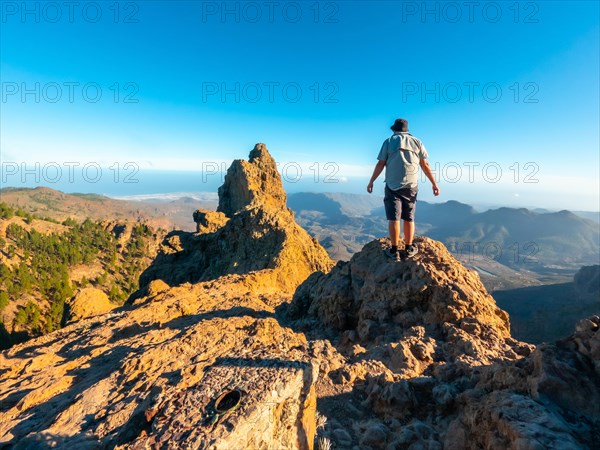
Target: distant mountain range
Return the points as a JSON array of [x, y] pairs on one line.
[[553, 245], [547, 243]]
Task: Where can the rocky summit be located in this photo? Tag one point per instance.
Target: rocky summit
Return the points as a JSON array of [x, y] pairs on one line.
[[427, 360], [244, 335], [252, 232]]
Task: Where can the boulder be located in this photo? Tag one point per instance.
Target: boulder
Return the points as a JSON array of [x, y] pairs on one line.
[[88, 302], [208, 221]]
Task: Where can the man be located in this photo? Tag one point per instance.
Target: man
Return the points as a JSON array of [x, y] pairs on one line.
[[402, 154]]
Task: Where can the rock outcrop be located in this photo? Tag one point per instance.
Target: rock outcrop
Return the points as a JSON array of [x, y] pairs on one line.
[[421, 313], [209, 221], [88, 302], [253, 232], [428, 361], [149, 376], [549, 400], [252, 183]]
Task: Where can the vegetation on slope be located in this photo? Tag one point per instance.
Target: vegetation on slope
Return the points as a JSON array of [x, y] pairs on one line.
[[36, 269]]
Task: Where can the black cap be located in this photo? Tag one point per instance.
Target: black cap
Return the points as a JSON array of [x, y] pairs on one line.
[[400, 125]]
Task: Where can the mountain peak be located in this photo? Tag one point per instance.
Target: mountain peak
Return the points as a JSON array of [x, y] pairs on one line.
[[432, 297], [260, 154], [252, 183], [252, 232], [200, 334]]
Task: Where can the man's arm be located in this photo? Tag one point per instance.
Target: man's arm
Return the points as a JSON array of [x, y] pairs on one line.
[[427, 170], [376, 172]]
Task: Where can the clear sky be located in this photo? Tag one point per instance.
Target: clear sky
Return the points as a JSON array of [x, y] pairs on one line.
[[504, 95]]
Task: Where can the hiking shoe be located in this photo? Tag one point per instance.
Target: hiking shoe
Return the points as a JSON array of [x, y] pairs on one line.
[[393, 256], [411, 250]]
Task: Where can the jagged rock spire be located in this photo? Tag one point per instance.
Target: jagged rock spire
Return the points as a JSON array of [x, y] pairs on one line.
[[252, 183], [251, 232]]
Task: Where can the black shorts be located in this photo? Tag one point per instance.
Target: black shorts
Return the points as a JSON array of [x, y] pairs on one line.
[[400, 204]]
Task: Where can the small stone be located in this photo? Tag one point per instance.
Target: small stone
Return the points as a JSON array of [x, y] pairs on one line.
[[357, 350], [375, 435]]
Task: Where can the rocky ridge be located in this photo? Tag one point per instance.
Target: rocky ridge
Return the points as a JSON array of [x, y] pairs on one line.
[[243, 336]]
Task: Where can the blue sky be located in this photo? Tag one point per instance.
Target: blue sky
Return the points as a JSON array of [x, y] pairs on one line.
[[508, 89]]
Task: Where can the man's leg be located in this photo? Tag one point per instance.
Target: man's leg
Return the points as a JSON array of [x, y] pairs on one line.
[[409, 199], [409, 232], [392, 213], [394, 228]]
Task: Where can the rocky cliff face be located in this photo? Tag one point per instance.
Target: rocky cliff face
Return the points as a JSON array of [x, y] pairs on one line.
[[426, 360], [230, 344], [252, 232]]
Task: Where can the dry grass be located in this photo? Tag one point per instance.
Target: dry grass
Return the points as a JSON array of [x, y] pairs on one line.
[[321, 420], [324, 443]]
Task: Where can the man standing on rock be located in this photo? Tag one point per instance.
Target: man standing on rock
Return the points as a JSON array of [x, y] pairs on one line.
[[401, 154]]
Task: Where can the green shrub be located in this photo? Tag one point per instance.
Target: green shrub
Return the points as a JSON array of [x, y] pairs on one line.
[[69, 222], [29, 317], [4, 300], [6, 212]]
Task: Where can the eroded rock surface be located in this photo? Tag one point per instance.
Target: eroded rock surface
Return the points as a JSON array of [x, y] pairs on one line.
[[418, 314], [255, 182], [208, 221], [429, 362], [371, 354], [148, 375]]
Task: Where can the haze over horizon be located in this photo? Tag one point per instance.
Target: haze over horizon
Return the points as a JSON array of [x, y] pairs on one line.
[[505, 96]]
